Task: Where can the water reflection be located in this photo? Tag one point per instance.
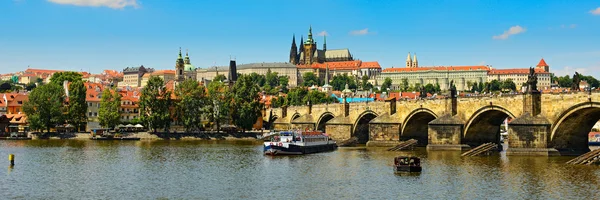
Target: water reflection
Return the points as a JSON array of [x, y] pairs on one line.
[[81, 169]]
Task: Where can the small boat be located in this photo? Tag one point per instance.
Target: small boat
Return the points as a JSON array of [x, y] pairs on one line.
[[297, 143], [407, 164]]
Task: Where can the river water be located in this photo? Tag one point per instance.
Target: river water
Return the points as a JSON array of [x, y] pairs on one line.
[[81, 169]]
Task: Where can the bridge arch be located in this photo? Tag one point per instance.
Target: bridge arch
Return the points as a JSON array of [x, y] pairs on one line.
[[294, 116], [570, 130], [323, 119], [415, 125], [484, 125], [361, 126]]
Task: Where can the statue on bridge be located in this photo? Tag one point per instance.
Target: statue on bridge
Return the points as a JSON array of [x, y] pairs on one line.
[[576, 81], [422, 92], [532, 80], [452, 89]]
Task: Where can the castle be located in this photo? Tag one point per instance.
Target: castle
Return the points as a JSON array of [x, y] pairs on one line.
[[308, 53]]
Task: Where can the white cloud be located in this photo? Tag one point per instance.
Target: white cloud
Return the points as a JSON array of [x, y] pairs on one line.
[[115, 4], [568, 70], [595, 11], [482, 63], [360, 32], [511, 31], [323, 33]]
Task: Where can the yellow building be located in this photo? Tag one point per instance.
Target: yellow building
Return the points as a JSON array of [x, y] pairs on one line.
[[132, 76], [166, 75], [443, 75], [520, 76]]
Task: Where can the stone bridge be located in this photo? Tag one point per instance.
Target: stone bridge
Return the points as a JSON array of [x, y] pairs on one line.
[[540, 124]]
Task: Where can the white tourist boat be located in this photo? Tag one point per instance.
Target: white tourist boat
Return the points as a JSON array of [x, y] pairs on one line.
[[298, 142]]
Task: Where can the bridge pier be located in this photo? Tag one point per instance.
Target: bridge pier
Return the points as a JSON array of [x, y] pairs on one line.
[[445, 133], [529, 135], [304, 122], [384, 131]]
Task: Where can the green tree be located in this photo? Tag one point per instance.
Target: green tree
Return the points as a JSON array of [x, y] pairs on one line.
[[429, 88], [338, 82], [77, 106], [191, 106], [437, 87], [246, 108], [60, 77], [296, 95], [591, 80], [508, 84], [219, 103], [109, 114], [404, 86], [495, 85], [220, 78], [258, 79], [154, 104], [30, 86], [387, 83], [475, 87], [309, 79], [565, 81], [316, 97], [365, 85], [284, 83], [45, 107], [482, 87]]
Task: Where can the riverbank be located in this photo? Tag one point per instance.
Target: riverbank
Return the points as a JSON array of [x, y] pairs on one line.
[[157, 136]]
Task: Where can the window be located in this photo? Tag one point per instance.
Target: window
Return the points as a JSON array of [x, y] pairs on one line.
[[90, 114]]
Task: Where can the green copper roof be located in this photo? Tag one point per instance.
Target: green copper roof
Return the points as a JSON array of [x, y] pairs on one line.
[[189, 67]]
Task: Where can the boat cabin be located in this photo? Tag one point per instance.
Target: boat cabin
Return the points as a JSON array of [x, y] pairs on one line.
[[407, 160]]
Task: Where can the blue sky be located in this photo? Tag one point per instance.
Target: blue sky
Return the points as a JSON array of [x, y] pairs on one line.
[[92, 35]]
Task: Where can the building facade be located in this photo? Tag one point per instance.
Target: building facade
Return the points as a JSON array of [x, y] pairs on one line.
[[461, 75], [132, 76], [282, 69], [520, 76]]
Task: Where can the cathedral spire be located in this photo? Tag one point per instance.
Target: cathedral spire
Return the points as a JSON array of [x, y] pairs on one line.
[[415, 63], [179, 52], [408, 61], [324, 43], [294, 51]]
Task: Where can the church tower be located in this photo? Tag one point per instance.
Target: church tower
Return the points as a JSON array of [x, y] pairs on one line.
[[415, 63], [309, 49], [179, 66], [294, 51], [408, 61], [543, 66]]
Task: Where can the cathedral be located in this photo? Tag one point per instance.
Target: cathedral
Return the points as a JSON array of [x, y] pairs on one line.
[[184, 68], [308, 53]]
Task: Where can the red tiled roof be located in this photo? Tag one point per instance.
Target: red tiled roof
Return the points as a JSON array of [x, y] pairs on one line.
[[515, 71], [542, 63], [343, 65], [17, 97], [440, 68], [370, 65]]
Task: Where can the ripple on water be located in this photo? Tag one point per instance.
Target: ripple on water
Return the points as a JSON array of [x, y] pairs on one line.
[[75, 169]]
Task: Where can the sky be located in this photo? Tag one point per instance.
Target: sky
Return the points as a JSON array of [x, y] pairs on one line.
[[92, 35]]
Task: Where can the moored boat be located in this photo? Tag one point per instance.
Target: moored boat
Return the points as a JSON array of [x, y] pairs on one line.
[[298, 142], [407, 164]]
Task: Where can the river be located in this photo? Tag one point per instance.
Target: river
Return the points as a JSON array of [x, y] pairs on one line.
[[81, 169]]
